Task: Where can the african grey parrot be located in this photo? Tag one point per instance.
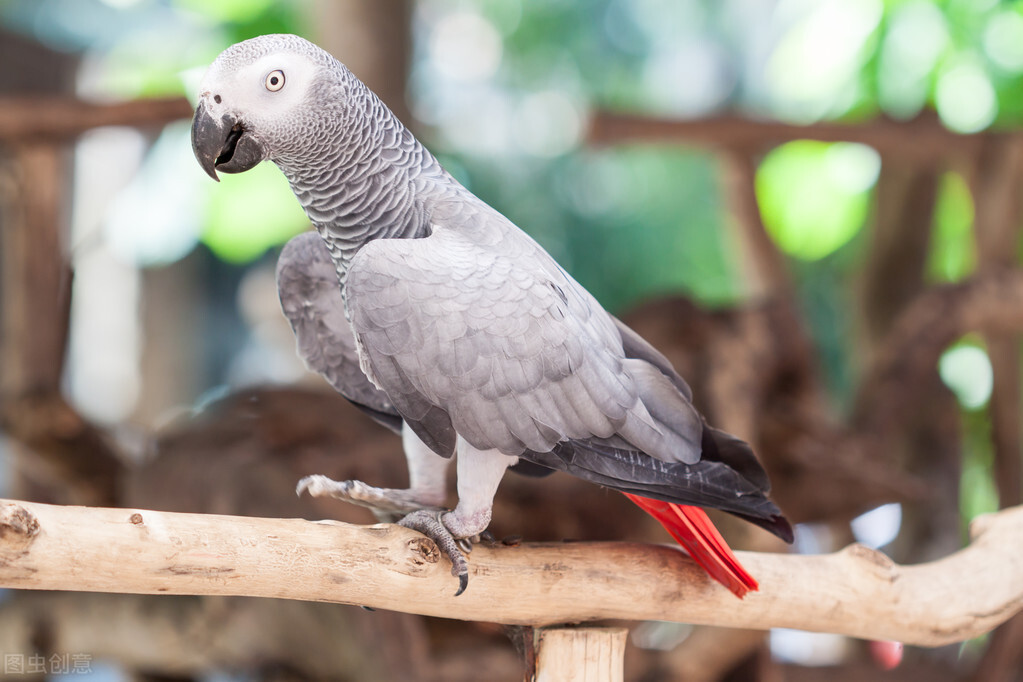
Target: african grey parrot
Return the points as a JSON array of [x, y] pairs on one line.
[[438, 317]]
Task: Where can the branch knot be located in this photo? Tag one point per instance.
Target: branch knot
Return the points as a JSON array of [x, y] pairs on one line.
[[18, 528]]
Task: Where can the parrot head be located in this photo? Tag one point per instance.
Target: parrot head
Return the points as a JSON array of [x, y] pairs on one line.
[[254, 103]]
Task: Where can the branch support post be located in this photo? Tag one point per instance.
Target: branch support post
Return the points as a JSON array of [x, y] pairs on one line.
[[580, 654]]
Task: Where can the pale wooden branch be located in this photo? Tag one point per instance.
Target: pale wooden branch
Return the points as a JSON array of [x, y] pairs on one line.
[[855, 592]]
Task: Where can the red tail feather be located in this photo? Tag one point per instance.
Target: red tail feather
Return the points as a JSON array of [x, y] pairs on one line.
[[693, 529]]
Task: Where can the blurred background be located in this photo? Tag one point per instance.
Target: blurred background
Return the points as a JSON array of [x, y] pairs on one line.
[[812, 206]]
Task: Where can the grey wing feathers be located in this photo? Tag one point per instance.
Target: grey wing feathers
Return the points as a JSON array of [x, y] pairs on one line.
[[513, 352], [636, 346], [310, 295]]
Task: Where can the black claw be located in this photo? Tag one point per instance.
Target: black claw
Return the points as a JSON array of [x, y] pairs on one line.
[[430, 525], [512, 541]]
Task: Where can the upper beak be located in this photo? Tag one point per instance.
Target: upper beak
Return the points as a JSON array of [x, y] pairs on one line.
[[209, 137], [223, 143]]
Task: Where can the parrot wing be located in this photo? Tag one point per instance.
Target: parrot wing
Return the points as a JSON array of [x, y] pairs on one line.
[[310, 295], [475, 331]]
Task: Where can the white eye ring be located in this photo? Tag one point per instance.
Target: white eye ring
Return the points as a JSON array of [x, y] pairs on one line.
[[274, 80]]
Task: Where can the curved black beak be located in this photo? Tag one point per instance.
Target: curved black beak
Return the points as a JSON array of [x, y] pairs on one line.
[[208, 139], [221, 143]]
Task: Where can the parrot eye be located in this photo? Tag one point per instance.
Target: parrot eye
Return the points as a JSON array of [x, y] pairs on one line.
[[275, 80]]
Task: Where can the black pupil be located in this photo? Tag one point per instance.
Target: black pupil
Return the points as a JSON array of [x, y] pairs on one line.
[[273, 80]]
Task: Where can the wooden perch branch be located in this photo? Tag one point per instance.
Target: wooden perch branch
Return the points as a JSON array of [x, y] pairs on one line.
[[856, 592]]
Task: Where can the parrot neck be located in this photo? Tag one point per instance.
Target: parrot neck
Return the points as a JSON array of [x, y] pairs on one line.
[[372, 180]]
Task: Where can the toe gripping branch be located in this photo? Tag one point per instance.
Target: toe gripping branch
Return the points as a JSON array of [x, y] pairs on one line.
[[429, 524]]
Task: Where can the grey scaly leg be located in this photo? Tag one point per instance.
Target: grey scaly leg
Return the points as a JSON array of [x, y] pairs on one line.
[[479, 474]]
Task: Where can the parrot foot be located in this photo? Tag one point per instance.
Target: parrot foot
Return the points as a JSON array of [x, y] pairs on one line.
[[387, 504], [431, 524]]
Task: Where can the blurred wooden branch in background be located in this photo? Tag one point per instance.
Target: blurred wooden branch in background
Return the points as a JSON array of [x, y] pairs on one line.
[[923, 139], [991, 303], [856, 591], [56, 118]]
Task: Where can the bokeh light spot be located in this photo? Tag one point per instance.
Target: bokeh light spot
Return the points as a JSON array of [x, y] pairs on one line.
[[815, 196], [966, 370], [1003, 40], [466, 47], [965, 98]]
